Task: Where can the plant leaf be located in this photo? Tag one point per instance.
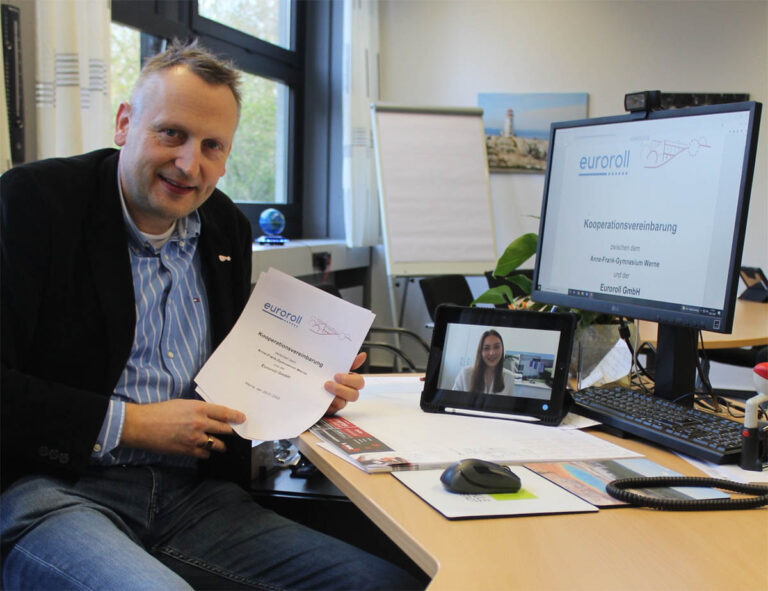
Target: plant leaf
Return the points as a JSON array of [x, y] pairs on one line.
[[518, 251], [522, 282], [495, 295]]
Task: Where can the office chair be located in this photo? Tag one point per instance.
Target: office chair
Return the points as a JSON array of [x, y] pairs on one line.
[[445, 289], [396, 351]]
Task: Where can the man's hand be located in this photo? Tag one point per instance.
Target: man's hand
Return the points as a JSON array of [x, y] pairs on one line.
[[346, 386], [180, 427]]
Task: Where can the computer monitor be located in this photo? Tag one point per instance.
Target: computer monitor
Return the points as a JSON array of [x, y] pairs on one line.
[[644, 216]]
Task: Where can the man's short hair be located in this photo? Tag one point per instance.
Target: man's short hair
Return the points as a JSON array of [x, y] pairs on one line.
[[199, 60]]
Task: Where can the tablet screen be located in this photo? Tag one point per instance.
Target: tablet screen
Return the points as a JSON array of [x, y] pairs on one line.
[[499, 361]]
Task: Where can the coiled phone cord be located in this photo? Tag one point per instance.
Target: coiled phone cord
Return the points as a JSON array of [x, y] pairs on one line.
[[617, 489]]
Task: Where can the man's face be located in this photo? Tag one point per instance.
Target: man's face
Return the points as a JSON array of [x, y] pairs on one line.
[[175, 140]]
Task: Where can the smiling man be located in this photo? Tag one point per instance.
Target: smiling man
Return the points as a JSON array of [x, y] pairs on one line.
[[174, 150], [121, 272]]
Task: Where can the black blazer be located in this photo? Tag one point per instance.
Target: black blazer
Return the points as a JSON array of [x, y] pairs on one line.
[[68, 310]]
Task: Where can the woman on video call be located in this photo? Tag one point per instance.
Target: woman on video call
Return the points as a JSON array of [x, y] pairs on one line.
[[488, 374]]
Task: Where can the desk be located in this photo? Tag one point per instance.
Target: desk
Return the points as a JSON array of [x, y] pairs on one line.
[[750, 328], [621, 548]]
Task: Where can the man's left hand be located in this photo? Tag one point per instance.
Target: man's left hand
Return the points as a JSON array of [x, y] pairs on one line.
[[346, 386]]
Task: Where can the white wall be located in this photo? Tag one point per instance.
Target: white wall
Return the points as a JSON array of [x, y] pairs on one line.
[[444, 52]]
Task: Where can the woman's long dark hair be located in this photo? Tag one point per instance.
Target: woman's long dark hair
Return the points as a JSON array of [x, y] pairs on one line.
[[478, 372]]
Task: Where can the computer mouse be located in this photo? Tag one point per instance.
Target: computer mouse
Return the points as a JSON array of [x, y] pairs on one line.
[[479, 477]]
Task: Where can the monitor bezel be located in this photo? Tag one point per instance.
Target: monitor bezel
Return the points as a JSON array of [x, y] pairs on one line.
[[646, 311]]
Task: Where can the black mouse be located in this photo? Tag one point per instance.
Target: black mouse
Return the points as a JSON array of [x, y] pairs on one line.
[[479, 477]]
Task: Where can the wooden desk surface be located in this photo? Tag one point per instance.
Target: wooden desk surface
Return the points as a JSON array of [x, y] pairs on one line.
[[620, 548], [750, 328]]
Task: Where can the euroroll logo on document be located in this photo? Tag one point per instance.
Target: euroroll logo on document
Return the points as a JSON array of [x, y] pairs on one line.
[[282, 314], [322, 328]]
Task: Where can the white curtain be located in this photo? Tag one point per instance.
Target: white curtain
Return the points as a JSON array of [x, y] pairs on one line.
[[72, 85], [361, 88]]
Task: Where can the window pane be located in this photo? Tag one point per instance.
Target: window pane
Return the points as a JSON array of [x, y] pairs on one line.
[[125, 62], [257, 165], [269, 20]]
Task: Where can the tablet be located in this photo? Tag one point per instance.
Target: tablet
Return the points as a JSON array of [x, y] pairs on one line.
[[499, 362]]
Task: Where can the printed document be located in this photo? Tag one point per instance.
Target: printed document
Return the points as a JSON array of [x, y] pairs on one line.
[[290, 339], [386, 430]]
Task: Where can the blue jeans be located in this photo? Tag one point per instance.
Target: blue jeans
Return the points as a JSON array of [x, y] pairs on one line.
[[148, 527]]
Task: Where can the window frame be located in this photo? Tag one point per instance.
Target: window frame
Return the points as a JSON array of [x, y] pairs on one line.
[[169, 19]]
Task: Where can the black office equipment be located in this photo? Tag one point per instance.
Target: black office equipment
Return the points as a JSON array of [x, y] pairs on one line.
[[14, 96], [536, 350], [757, 284], [472, 476], [644, 101], [623, 489], [445, 289], [699, 434], [644, 216]]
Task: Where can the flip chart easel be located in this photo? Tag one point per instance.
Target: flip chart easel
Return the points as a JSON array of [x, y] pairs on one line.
[[434, 192]]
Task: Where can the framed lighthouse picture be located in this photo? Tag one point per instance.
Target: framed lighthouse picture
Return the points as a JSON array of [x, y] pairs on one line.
[[517, 126]]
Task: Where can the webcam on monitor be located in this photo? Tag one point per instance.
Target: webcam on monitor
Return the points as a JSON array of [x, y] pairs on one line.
[[647, 100]]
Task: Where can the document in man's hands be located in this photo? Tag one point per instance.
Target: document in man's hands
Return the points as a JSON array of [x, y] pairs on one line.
[[290, 339]]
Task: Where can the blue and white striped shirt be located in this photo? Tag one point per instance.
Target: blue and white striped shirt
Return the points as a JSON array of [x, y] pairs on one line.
[[172, 340]]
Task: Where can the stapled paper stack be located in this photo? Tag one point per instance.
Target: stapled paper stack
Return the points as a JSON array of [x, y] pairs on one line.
[[290, 339]]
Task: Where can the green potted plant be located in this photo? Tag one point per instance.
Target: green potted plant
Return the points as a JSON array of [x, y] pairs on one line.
[[596, 333]]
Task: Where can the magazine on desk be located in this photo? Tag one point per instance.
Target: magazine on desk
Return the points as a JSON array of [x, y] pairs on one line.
[[589, 479], [350, 442]]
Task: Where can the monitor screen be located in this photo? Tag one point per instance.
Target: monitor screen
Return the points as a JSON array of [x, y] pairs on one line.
[[644, 216]]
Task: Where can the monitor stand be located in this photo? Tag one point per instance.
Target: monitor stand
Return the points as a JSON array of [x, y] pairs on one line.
[[676, 362]]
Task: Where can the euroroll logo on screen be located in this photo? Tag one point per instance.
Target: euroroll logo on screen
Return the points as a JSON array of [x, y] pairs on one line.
[[659, 153], [604, 164]]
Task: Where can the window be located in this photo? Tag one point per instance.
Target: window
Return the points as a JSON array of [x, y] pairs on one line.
[[257, 165], [267, 41], [269, 20], [125, 61]]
